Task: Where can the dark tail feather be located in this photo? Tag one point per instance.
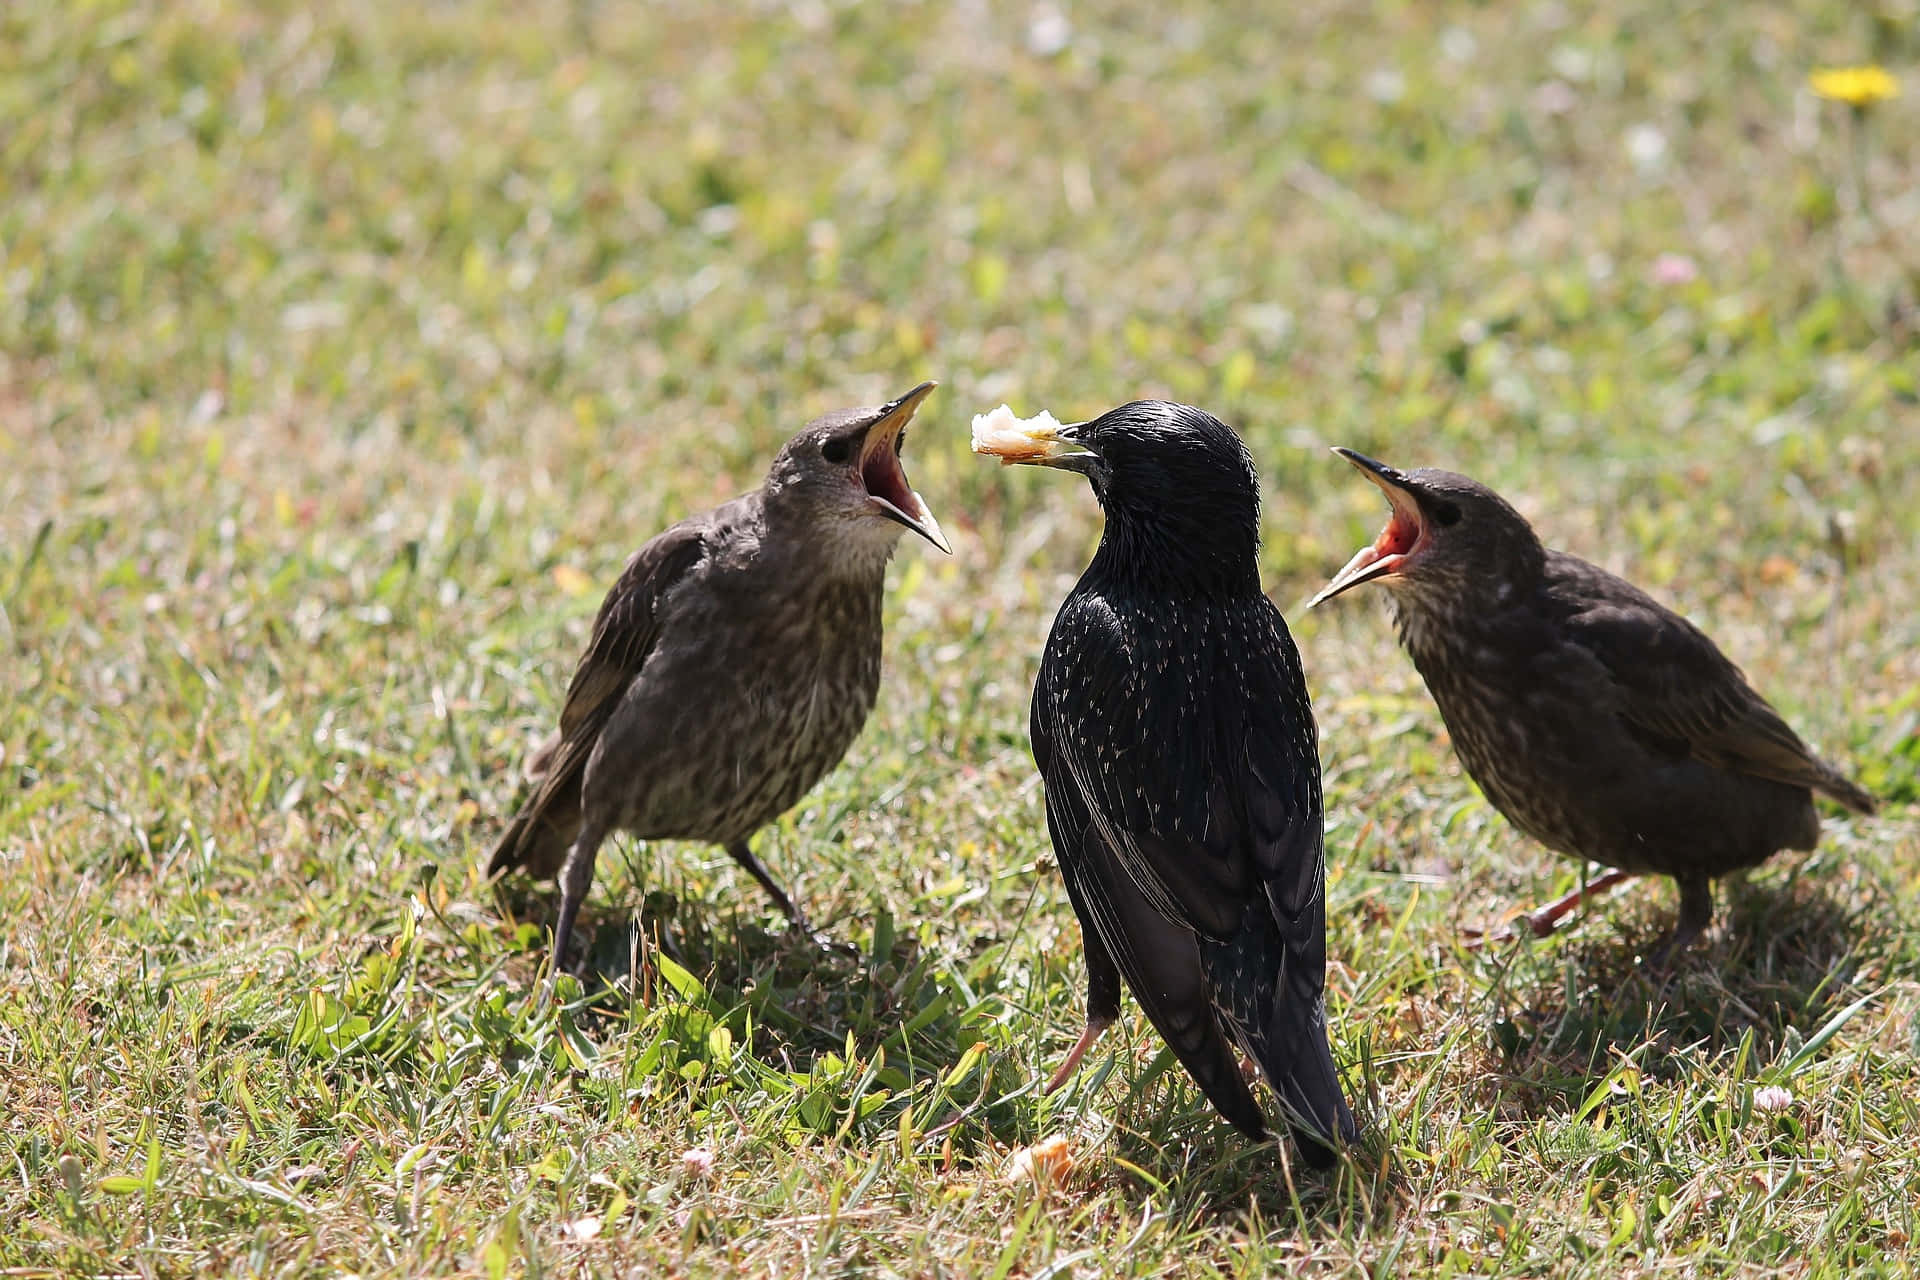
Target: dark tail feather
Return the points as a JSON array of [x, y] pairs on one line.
[[532, 843], [1163, 967], [1843, 791], [506, 853], [538, 838], [1194, 1035], [1270, 995], [1297, 1059]]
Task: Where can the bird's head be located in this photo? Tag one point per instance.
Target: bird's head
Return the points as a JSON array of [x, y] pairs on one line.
[[1448, 538], [1177, 484], [842, 476]]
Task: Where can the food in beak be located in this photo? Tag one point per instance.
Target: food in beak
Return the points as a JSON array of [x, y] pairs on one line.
[[1013, 439], [886, 480]]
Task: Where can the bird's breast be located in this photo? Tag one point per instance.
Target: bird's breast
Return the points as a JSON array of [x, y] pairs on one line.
[[1519, 731], [786, 679]]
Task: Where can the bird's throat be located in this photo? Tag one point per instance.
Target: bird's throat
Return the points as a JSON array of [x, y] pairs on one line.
[[1179, 557]]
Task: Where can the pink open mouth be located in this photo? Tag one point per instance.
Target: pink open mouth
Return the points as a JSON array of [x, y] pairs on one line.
[[886, 480], [1388, 554], [1401, 535]]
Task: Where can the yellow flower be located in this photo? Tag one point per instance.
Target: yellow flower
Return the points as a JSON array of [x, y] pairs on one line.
[[1855, 86]]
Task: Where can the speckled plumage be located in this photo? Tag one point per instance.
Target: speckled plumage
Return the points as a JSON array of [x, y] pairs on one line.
[[1171, 724], [730, 668], [1598, 721]]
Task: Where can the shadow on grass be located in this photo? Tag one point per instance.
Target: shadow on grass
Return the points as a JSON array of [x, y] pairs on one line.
[[874, 989], [1208, 1170], [805, 1002], [803, 997], [1777, 965], [1162, 1142]]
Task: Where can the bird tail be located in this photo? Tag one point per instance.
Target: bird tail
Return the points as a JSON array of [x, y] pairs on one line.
[[539, 837], [1299, 1062], [1270, 996], [532, 841], [1168, 975], [1842, 789], [1195, 1037]]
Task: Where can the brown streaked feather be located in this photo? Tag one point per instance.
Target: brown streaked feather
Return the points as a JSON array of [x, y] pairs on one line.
[[541, 761], [1679, 690], [623, 635]]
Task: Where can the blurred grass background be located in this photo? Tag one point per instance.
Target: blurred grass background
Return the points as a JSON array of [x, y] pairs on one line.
[[347, 349]]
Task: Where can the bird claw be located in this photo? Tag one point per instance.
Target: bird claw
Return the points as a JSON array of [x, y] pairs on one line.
[[1542, 922], [824, 943], [1502, 933], [1661, 957]]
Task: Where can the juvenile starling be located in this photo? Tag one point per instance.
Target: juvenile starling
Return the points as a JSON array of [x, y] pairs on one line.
[[1604, 725], [1171, 725], [731, 665]]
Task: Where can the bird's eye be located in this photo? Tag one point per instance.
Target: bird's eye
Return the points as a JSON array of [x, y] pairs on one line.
[[837, 450], [1446, 515]]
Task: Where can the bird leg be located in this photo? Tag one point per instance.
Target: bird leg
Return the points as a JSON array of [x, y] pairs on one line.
[[742, 853], [1096, 1027], [1544, 920], [576, 877], [1103, 1005], [1696, 913]]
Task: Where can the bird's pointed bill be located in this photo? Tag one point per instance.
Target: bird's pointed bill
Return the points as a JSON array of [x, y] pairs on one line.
[[1037, 441], [886, 479], [1388, 553]]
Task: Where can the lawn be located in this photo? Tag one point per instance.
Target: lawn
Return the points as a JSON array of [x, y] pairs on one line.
[[346, 351]]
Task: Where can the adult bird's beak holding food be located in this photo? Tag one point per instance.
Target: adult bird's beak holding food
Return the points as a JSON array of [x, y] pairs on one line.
[[1041, 440], [886, 479], [1388, 553]]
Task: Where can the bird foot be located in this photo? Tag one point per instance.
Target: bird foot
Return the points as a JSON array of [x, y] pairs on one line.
[[1540, 924], [1543, 922], [1095, 1028], [1501, 933], [825, 943], [1661, 957]]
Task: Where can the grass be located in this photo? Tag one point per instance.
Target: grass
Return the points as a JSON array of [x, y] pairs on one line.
[[346, 350]]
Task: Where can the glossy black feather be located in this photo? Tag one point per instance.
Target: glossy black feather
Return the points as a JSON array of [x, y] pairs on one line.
[[1171, 724]]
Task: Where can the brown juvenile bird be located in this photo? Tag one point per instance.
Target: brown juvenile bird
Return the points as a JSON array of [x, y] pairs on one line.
[[731, 665], [1603, 724]]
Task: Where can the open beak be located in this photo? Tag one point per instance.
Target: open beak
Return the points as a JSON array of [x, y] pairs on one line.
[[1037, 442], [1389, 552], [886, 479]]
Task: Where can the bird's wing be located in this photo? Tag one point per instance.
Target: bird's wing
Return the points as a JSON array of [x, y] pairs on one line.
[[1271, 979], [1122, 704], [1680, 693], [625, 630], [1281, 784], [623, 636], [1183, 794], [1158, 956]]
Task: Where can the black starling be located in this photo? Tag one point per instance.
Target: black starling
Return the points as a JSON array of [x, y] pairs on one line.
[[1171, 725], [1604, 725], [731, 665]]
